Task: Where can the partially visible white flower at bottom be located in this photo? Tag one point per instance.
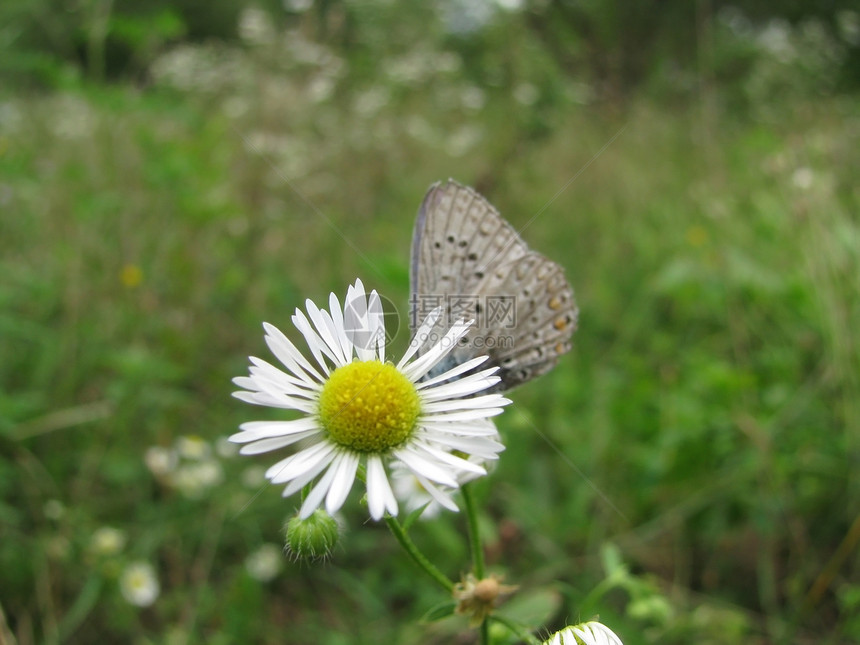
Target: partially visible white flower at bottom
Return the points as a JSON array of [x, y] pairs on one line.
[[139, 585], [590, 633]]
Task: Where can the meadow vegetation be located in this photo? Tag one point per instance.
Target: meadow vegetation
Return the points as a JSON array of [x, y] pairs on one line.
[[688, 471]]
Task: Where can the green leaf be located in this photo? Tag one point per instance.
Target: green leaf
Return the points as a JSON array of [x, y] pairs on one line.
[[534, 607], [612, 562], [414, 515], [440, 611]]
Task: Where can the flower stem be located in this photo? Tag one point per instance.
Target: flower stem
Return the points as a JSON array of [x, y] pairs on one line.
[[521, 632], [476, 548], [485, 632], [416, 555], [474, 533]]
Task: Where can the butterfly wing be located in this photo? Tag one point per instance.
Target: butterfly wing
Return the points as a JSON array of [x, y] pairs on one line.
[[469, 260]]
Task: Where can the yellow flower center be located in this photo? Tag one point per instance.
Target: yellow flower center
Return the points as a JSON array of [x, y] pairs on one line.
[[368, 406]]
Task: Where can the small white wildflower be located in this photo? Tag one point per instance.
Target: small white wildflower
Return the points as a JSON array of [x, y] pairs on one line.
[[473, 98], [462, 140], [193, 479], [802, 178], [420, 129], [73, 118], [848, 23], [235, 107], [253, 476], [447, 62], [265, 563], [526, 94], [54, 509], [320, 88], [775, 38], [255, 27], [107, 541], [193, 447], [226, 448], [139, 584], [160, 461], [371, 101], [11, 116], [298, 6]]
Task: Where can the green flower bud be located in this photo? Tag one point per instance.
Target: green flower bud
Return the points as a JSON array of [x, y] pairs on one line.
[[312, 538]]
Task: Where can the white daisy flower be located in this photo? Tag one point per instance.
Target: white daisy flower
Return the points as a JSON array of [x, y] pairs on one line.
[[359, 410], [591, 633]]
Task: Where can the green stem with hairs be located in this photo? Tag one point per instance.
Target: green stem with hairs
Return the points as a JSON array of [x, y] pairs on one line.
[[416, 555]]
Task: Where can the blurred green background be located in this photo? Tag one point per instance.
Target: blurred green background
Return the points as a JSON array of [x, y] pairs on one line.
[[174, 173]]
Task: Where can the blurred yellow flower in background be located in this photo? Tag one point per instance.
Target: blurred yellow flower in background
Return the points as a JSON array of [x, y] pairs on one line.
[[131, 276]]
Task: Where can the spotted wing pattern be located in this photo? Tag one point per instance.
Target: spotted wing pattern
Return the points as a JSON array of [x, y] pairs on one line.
[[468, 259]]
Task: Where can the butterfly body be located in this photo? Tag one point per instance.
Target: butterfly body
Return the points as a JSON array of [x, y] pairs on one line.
[[469, 260]]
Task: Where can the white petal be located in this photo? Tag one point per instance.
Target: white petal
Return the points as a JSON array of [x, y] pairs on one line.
[[274, 443], [300, 463], [302, 480], [420, 334], [273, 401], [456, 371], [464, 415], [437, 494], [462, 387], [420, 465], [342, 482], [263, 382], [276, 400], [279, 376], [478, 428], [356, 322], [325, 329], [253, 430], [380, 497], [315, 497], [471, 403], [446, 344], [376, 324], [455, 462], [317, 345], [284, 350], [275, 381], [337, 318], [483, 447], [245, 382]]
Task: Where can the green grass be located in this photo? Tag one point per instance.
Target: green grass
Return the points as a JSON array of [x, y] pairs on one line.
[[705, 423]]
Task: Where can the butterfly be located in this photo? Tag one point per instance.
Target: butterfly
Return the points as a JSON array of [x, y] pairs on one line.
[[469, 260]]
